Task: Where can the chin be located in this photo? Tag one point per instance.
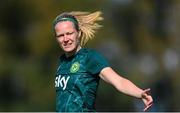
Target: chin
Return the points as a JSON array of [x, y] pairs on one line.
[[68, 50]]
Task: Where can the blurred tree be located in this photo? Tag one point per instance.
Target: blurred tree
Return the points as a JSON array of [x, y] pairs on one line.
[[135, 33]]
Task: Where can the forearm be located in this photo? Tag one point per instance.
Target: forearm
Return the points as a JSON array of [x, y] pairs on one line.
[[127, 87], [120, 83]]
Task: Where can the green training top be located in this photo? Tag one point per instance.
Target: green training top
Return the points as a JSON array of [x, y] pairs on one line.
[[77, 80]]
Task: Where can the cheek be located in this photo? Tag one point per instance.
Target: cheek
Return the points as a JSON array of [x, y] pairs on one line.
[[59, 41], [76, 39]]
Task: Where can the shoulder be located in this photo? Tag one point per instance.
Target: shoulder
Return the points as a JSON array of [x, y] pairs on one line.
[[95, 61], [87, 54], [90, 51], [94, 55]]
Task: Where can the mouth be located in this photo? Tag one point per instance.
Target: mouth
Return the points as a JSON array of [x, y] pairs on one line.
[[67, 45]]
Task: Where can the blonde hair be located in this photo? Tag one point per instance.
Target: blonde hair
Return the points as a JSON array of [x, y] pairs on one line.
[[87, 23]]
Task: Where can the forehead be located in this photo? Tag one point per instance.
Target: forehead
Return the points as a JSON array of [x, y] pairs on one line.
[[64, 25]]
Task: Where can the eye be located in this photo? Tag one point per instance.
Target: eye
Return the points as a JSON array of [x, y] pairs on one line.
[[59, 36], [69, 33]]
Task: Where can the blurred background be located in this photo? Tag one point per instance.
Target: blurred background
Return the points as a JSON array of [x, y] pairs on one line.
[[139, 39]]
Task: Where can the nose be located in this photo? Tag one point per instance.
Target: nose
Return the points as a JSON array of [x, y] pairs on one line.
[[65, 38]]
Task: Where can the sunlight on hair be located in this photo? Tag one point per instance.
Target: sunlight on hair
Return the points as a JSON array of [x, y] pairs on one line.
[[87, 24]]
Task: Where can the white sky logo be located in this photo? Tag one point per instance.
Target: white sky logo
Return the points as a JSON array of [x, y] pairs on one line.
[[61, 81]]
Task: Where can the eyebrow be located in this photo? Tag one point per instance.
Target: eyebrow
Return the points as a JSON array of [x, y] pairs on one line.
[[64, 33], [59, 35]]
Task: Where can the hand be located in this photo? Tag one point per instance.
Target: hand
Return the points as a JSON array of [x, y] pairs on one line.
[[147, 99]]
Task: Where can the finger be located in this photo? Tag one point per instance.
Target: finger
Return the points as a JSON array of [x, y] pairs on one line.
[[150, 103], [144, 95], [147, 91], [147, 107]]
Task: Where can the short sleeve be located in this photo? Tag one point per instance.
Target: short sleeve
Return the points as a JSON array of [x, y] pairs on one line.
[[96, 62]]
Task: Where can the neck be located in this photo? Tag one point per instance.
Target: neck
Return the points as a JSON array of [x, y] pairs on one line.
[[73, 52]]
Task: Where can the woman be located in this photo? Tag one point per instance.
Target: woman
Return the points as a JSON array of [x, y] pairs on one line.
[[80, 69]]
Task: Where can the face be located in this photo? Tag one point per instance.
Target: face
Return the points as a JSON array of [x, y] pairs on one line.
[[67, 36]]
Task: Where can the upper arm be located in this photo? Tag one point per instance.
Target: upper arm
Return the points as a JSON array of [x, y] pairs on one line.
[[95, 62], [110, 76]]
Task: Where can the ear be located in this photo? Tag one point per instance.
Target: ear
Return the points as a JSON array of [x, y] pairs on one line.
[[79, 34]]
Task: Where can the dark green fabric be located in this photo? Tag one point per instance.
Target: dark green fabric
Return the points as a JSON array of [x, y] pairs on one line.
[[77, 80]]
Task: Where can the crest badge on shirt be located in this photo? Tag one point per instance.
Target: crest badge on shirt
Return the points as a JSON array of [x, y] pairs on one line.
[[74, 67]]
